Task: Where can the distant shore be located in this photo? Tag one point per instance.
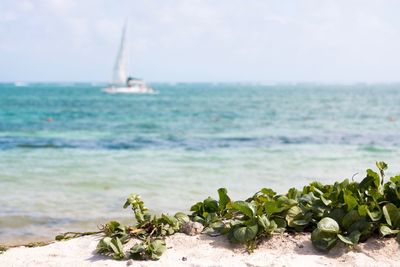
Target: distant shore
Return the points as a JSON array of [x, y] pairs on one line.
[[202, 250]]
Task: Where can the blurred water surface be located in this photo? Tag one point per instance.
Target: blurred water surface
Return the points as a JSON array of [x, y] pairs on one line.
[[70, 154]]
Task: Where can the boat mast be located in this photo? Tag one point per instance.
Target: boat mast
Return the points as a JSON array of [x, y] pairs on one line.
[[119, 73]]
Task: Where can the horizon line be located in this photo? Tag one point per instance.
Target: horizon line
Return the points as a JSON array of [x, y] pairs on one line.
[[211, 82]]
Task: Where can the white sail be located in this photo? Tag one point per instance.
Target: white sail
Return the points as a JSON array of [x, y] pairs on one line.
[[120, 83], [119, 74]]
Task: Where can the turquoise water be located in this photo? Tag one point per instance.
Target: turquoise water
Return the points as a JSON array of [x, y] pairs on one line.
[[70, 154]]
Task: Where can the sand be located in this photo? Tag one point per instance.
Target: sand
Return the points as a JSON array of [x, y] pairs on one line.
[[202, 250]]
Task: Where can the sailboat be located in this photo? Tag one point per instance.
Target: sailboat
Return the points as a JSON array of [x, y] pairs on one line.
[[120, 82]]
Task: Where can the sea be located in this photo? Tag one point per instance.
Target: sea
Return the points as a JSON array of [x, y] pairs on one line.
[[70, 154]]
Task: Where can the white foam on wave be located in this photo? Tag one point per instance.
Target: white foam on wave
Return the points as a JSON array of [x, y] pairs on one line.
[[21, 84]]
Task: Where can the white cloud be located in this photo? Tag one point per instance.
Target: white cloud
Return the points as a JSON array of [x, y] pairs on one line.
[[177, 40], [107, 29], [26, 5], [59, 6], [278, 19], [7, 16]]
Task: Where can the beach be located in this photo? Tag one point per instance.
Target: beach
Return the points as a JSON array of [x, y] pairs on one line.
[[74, 153], [202, 250], [254, 125]]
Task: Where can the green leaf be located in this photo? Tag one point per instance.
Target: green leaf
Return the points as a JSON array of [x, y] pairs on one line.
[[139, 252], [148, 250], [169, 219], [395, 179], [363, 226], [223, 198], [375, 177], [136, 203], [273, 227], [384, 230], [268, 192], [350, 200], [119, 245], [263, 222], [293, 193], [137, 206], [198, 219], [245, 233], [392, 215], [352, 239], [382, 166], [328, 225], [337, 214], [326, 202], [272, 207], [300, 222], [104, 245], [182, 217], [376, 194], [3, 249], [211, 218], [372, 179], [362, 210], [210, 205], [279, 205], [280, 223], [197, 208], [292, 214], [374, 215], [350, 218], [136, 250], [244, 207], [157, 248], [323, 241], [117, 248], [218, 225]]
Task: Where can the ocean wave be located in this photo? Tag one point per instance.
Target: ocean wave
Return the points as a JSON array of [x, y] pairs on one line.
[[368, 142], [18, 220]]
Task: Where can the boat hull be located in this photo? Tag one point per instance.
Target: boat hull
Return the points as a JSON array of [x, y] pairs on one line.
[[129, 90]]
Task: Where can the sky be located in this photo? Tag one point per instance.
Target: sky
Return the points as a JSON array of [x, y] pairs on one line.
[[201, 41]]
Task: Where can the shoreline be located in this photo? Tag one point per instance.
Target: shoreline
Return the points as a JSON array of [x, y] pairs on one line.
[[25, 242], [203, 250]]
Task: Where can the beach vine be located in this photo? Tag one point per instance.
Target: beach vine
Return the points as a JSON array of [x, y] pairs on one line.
[[349, 212]]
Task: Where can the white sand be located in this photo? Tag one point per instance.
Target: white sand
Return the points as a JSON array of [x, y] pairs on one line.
[[203, 250]]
